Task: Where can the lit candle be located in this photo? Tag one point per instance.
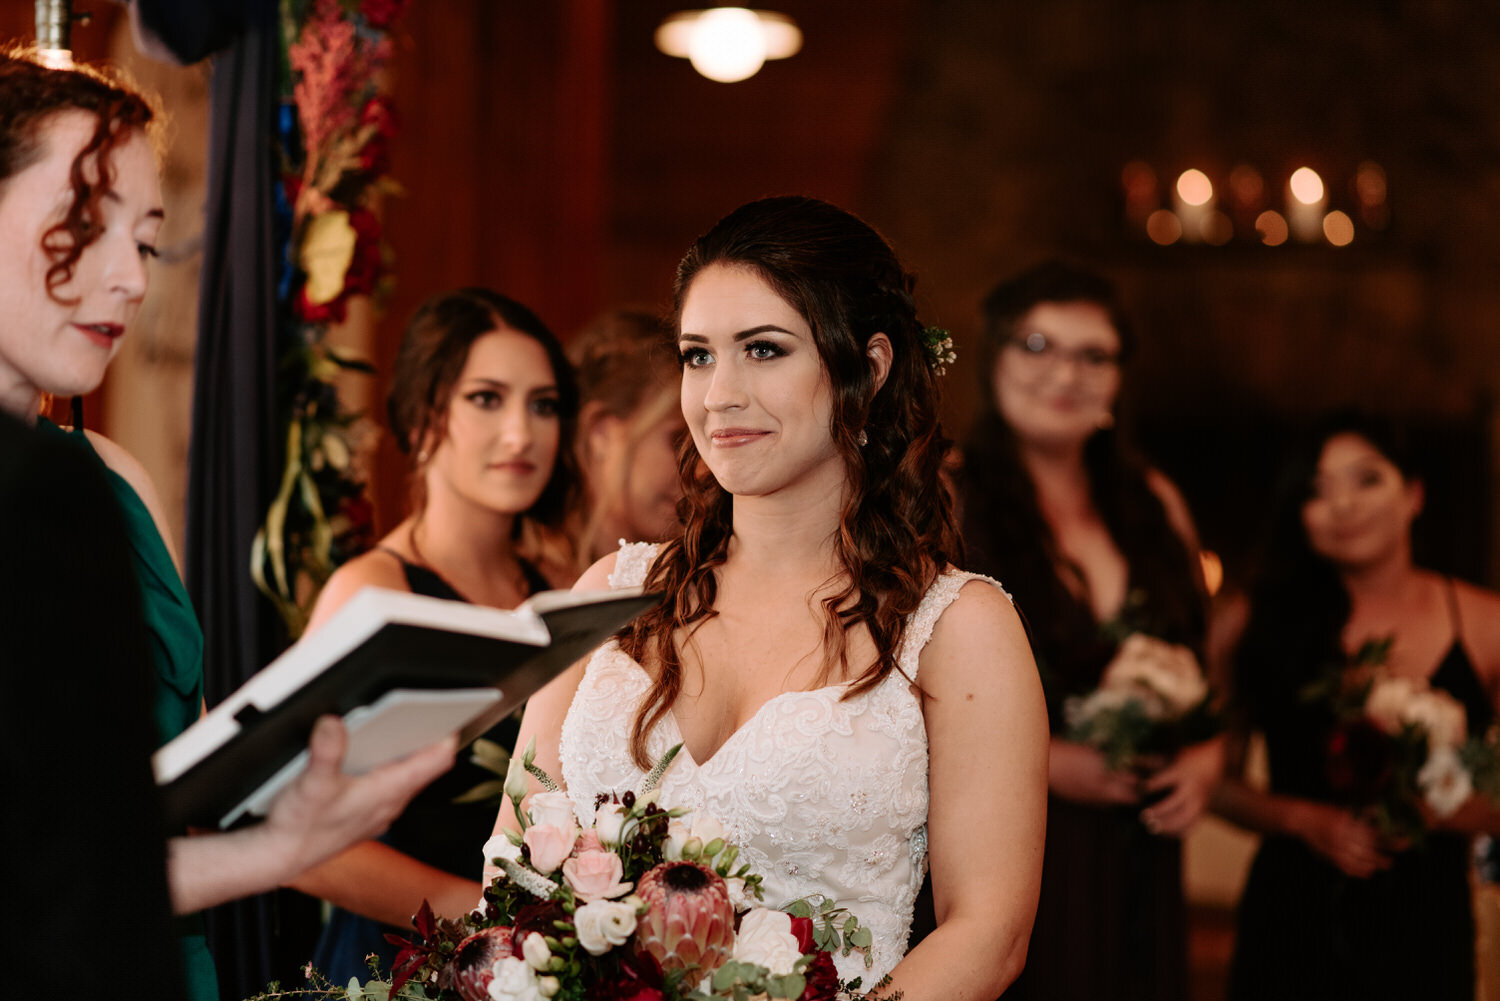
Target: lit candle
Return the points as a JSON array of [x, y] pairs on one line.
[[1305, 201], [1193, 201]]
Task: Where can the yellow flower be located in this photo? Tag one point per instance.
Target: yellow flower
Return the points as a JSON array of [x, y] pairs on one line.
[[327, 250]]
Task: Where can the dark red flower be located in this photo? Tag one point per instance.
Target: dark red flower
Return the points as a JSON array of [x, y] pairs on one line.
[[375, 157], [802, 930], [381, 14], [639, 979], [822, 977], [1358, 762]]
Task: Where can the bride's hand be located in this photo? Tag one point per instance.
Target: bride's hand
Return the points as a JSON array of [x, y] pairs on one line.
[[1079, 773]]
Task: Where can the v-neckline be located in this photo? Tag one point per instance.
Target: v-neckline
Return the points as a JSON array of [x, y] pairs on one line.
[[750, 720]]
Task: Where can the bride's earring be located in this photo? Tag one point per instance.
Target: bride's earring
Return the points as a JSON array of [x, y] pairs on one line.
[[861, 439]]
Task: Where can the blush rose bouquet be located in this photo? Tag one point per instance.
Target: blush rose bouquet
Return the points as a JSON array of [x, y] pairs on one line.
[[1151, 700], [1399, 750], [635, 903]]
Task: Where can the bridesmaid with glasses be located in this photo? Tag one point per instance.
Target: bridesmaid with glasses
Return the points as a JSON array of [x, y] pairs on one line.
[[1093, 543]]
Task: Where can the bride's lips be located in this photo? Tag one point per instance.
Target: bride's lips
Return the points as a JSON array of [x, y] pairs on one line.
[[735, 437], [102, 334], [516, 467]]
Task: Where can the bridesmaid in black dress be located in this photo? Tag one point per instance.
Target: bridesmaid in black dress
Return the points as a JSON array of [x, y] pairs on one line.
[[1092, 543], [483, 399], [1331, 909]]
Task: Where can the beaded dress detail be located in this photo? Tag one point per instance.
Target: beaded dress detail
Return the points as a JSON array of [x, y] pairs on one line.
[[825, 798]]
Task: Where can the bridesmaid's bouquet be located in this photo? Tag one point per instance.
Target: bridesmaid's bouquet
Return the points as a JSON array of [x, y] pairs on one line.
[[641, 904], [1152, 699], [1399, 749]]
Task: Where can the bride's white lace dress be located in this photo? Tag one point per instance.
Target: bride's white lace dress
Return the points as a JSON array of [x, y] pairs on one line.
[[826, 799]]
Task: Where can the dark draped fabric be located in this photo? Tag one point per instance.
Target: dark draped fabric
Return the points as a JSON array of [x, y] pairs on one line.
[[236, 451]]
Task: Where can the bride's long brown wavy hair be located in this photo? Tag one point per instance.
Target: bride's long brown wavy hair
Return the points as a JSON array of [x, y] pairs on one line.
[[897, 530]]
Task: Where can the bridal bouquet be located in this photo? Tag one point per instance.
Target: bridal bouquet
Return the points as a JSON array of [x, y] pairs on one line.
[[642, 904], [1152, 699], [1400, 748]]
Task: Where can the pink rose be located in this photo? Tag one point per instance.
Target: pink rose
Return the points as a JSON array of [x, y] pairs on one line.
[[588, 841], [596, 875], [549, 845]]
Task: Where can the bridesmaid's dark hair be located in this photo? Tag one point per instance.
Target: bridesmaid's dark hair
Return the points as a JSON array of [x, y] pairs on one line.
[[429, 361], [1298, 605], [897, 529], [1004, 531]]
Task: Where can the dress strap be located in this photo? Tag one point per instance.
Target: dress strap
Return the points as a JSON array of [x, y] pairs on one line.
[[632, 563], [935, 602]]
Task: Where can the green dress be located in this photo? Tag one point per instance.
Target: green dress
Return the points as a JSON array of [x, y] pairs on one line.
[[177, 659]]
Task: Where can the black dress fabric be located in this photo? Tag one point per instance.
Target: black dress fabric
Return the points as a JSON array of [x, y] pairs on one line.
[[1306, 930], [1111, 922], [432, 829], [83, 854]]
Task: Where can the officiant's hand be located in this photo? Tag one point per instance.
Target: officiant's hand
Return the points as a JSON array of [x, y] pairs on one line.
[[326, 811]]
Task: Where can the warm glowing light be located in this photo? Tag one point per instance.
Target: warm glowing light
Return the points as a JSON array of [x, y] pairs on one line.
[[55, 59], [1213, 571], [728, 44], [1217, 230], [1164, 227], [1272, 228], [1338, 228], [1194, 187], [1245, 185], [1369, 184], [1307, 186]]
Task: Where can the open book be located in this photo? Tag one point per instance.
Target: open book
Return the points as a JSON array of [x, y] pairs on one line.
[[402, 670]]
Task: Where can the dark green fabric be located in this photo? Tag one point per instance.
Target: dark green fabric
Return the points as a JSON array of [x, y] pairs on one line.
[[177, 662]]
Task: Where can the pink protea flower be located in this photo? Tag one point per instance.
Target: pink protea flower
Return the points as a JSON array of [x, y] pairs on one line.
[[473, 962], [690, 921]]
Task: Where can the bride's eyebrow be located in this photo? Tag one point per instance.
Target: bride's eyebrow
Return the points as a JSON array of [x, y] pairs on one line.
[[764, 328]]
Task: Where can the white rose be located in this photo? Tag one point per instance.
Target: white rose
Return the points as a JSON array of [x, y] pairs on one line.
[[1079, 710], [500, 847], [765, 939], [612, 826], [1165, 670], [739, 898], [534, 950], [604, 924], [1387, 701], [1444, 781], [554, 808], [1440, 715], [514, 981], [678, 833]]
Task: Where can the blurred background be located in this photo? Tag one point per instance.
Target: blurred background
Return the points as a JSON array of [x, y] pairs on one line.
[[551, 151]]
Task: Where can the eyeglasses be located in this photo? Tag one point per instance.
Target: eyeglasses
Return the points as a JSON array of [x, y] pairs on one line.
[[1039, 355]]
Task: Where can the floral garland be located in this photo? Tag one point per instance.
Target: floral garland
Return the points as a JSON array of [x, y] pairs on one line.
[[335, 142]]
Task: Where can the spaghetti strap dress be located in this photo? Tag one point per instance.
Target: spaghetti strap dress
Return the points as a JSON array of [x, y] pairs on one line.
[[176, 660], [433, 829], [1306, 930]]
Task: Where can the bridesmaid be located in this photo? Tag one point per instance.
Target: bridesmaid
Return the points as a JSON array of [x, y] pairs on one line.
[[1332, 909], [484, 401], [1089, 539]]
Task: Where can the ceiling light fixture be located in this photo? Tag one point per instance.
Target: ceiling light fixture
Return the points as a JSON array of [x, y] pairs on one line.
[[728, 44]]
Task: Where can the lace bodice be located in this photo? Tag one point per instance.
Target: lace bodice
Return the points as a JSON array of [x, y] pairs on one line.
[[825, 798]]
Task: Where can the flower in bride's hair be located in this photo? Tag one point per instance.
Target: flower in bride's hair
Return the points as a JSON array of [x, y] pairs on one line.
[[765, 938], [1444, 781], [555, 808], [549, 845], [604, 924], [596, 876]]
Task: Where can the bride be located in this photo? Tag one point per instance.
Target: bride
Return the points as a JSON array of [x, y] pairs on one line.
[[851, 706]]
